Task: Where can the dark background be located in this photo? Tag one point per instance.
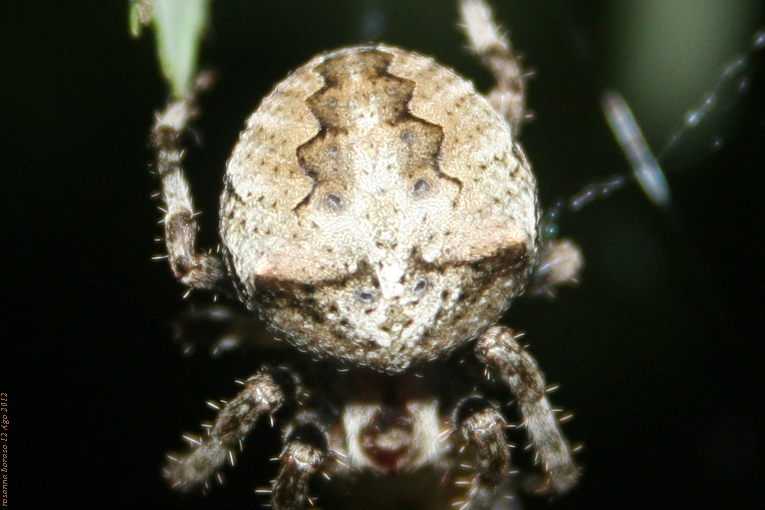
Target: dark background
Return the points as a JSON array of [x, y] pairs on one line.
[[658, 350]]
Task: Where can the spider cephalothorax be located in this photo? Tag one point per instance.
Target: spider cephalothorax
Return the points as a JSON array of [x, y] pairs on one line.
[[380, 215]]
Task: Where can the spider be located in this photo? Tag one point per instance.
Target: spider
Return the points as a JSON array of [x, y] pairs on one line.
[[380, 215]]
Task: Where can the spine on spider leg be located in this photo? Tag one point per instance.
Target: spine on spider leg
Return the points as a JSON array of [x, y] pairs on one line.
[[195, 269]]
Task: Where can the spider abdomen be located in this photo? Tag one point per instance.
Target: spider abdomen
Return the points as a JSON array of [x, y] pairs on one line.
[[378, 210]]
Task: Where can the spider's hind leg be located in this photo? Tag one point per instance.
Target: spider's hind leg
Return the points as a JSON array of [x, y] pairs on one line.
[[198, 270], [486, 40]]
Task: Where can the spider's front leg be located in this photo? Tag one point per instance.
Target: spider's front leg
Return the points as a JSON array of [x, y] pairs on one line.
[[498, 349], [195, 269], [306, 448], [482, 428], [264, 393]]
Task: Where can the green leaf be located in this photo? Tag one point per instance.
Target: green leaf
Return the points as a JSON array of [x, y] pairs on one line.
[[179, 25]]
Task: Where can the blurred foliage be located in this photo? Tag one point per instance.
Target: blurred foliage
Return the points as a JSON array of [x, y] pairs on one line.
[[179, 26]]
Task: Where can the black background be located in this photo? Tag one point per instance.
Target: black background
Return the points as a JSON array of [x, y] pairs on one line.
[[658, 350]]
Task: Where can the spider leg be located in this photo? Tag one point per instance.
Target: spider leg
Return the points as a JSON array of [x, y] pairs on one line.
[[498, 348], [220, 329], [493, 48], [264, 393], [305, 450], [482, 428], [195, 269], [560, 263]]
